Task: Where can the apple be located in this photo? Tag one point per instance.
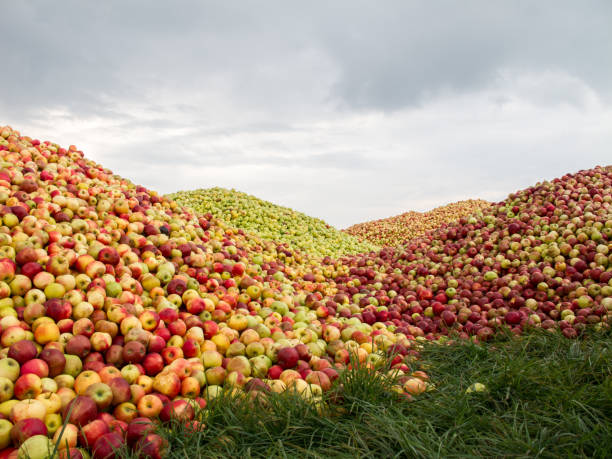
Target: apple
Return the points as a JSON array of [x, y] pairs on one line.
[[101, 393], [152, 446], [46, 332], [109, 372], [120, 389], [78, 345], [57, 308], [134, 352], [11, 335], [149, 406], [167, 384], [156, 344], [73, 365], [107, 445], [80, 411], [101, 342], [67, 438], [153, 363], [114, 355], [130, 373], [53, 421], [138, 428], [36, 447], [6, 389], [5, 433], [26, 428], [9, 368], [51, 400], [84, 380], [27, 386], [287, 357], [126, 412], [83, 327], [91, 432], [22, 351], [35, 366], [177, 409], [29, 408]]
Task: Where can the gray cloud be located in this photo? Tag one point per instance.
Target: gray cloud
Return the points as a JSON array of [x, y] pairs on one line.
[[348, 110]]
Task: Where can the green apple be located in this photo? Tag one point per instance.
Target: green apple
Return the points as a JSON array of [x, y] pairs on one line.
[[9, 368], [36, 447], [5, 433]]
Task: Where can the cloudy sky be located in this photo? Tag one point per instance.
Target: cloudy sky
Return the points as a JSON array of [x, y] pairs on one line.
[[345, 110]]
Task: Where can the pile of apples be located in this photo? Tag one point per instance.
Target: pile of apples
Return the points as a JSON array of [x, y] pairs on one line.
[[309, 235], [398, 230], [120, 309], [541, 258]]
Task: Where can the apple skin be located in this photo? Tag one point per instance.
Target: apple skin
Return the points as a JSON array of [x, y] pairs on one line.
[[22, 351], [126, 412], [91, 432], [35, 366], [72, 453], [149, 406], [134, 352], [153, 363], [26, 428], [287, 357], [55, 361], [69, 438], [27, 386], [101, 393], [36, 447], [6, 389], [152, 446], [177, 409], [5, 433], [106, 445], [168, 384], [78, 345], [82, 409], [58, 309], [9, 368], [121, 390], [137, 429]]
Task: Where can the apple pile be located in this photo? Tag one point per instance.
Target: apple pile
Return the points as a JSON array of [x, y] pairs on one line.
[[541, 258], [120, 309], [397, 230], [273, 222]]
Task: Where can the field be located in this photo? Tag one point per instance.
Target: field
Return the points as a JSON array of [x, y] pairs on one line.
[[215, 324]]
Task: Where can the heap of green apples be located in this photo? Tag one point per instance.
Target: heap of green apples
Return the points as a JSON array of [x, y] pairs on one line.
[[273, 222], [397, 230], [120, 309]]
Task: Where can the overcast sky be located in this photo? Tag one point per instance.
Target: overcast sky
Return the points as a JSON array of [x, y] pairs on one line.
[[345, 110]]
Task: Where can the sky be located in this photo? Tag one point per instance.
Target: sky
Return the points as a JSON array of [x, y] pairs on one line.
[[346, 110]]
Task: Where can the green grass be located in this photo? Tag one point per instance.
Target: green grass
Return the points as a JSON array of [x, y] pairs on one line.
[[546, 396]]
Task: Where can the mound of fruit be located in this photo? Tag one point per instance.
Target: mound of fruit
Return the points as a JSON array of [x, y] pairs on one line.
[[118, 307], [397, 230], [273, 222], [541, 258]]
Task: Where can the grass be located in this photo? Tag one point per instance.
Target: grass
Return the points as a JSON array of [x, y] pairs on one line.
[[546, 397]]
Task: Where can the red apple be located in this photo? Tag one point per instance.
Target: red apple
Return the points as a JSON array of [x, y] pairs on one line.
[[22, 351], [106, 446], [82, 411]]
